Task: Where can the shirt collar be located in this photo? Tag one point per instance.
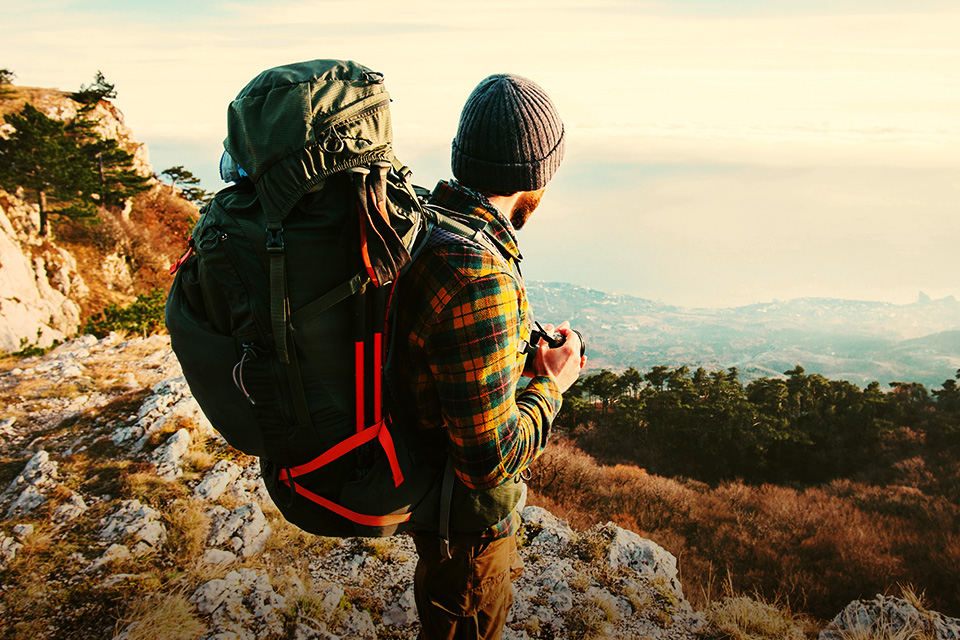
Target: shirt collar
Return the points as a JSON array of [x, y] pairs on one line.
[[456, 197]]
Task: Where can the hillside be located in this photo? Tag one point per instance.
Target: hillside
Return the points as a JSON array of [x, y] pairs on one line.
[[840, 339], [123, 514], [50, 285], [114, 483]]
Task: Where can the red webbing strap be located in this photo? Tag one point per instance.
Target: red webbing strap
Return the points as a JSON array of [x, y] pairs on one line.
[[359, 176], [377, 376], [382, 434], [353, 516], [365, 252], [360, 400], [179, 263], [386, 441], [334, 452], [378, 431]]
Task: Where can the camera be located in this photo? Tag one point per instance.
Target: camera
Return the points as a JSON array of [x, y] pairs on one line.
[[553, 340]]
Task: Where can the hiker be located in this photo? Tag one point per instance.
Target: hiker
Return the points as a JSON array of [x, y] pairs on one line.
[[462, 318]]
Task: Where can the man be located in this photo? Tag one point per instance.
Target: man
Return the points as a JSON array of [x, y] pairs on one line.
[[462, 317]]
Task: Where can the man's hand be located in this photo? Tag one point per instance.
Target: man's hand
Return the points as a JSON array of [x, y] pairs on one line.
[[563, 363]]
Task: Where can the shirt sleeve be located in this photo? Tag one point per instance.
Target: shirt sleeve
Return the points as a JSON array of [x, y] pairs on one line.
[[494, 431]]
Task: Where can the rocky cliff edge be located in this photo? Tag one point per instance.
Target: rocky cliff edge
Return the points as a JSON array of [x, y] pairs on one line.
[[122, 511]]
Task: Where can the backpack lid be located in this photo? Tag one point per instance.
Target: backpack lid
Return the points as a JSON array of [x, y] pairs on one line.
[[294, 125]]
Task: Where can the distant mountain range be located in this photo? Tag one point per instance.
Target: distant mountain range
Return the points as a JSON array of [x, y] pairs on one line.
[[841, 339]]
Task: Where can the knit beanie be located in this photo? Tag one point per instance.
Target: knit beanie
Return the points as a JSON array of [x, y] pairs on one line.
[[510, 137]]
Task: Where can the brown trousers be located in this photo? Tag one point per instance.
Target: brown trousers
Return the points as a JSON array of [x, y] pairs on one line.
[[469, 596]]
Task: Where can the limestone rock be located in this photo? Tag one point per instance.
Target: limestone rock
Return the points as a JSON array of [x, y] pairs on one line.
[[6, 426], [170, 400], [36, 277], [329, 597], [249, 486], [8, 549], [244, 530], [306, 631], [356, 624], [169, 457], [402, 612], [629, 550], [136, 521], [223, 474], [29, 489], [892, 617], [243, 603], [117, 274], [546, 531], [73, 507], [560, 590]]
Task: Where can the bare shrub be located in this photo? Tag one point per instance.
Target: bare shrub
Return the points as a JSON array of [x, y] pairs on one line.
[[813, 549]]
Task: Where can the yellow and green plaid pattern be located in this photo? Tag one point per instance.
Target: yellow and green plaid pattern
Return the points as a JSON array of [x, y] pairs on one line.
[[461, 314]]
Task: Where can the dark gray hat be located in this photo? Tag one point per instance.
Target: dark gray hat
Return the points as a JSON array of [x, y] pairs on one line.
[[510, 137]]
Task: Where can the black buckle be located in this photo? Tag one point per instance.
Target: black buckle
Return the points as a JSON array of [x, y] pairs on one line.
[[275, 241]]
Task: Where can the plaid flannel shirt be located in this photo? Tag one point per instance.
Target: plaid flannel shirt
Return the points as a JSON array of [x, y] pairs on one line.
[[461, 316]]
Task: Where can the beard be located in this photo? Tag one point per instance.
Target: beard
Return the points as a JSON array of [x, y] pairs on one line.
[[525, 205]]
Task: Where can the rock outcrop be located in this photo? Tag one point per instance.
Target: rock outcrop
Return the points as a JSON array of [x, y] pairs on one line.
[[890, 617], [39, 282], [108, 122], [41, 288]]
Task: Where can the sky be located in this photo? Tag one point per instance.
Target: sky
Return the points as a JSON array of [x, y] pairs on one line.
[[719, 152]]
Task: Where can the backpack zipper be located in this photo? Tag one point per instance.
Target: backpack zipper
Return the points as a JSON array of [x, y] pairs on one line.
[[220, 239]]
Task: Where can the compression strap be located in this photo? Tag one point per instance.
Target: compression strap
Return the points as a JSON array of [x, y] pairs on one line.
[[353, 516], [379, 432]]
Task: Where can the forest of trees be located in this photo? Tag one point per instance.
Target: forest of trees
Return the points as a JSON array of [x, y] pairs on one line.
[[804, 490], [803, 428]]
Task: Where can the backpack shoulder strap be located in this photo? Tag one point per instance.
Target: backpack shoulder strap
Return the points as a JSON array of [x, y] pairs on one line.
[[449, 227]]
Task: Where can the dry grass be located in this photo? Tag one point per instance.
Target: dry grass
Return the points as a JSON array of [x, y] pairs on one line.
[[290, 546], [149, 488], [588, 622], [815, 549], [162, 616], [383, 549], [187, 527], [746, 618], [149, 241]]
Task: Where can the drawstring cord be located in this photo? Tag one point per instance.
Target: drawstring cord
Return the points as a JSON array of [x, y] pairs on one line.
[[249, 351]]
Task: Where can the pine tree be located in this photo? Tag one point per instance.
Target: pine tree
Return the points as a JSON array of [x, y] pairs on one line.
[[6, 79], [69, 168], [191, 192], [116, 179], [94, 93], [43, 158]]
